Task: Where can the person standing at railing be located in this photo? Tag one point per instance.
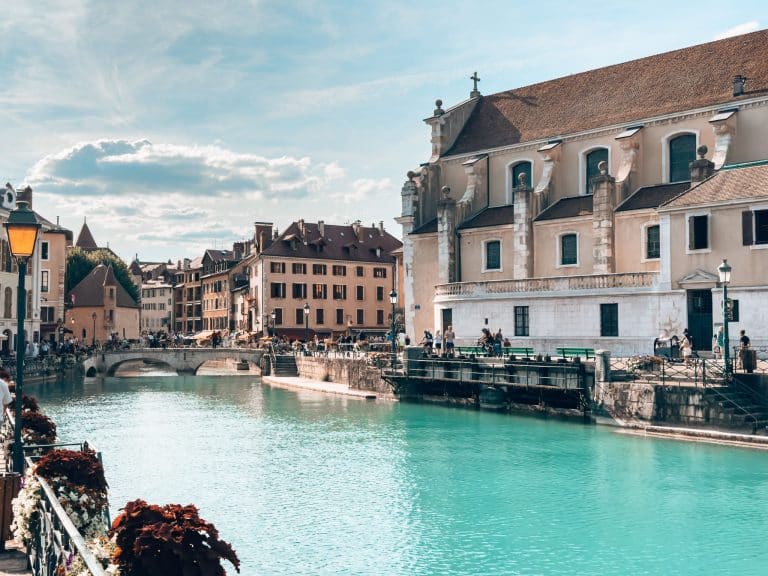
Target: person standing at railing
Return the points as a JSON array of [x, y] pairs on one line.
[[686, 348], [5, 393], [744, 344], [449, 337], [439, 343]]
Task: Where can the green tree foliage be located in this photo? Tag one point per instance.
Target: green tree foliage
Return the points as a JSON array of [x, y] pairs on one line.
[[80, 263]]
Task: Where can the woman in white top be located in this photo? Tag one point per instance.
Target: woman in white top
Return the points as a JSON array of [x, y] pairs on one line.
[[438, 342]]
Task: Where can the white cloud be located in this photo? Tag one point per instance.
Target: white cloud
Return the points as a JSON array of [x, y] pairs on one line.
[[739, 29], [363, 189], [135, 192]]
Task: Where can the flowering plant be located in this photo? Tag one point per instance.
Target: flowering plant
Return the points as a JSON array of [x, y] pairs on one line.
[[77, 478], [29, 403], [168, 540], [37, 428], [26, 517]]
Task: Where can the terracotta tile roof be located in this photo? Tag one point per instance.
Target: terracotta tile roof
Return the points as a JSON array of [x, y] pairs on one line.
[[337, 243], [496, 216], [90, 290], [666, 83], [652, 196], [85, 239], [426, 228], [740, 182], [569, 207]]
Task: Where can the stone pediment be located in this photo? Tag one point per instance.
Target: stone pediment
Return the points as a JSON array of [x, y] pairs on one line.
[[698, 276]]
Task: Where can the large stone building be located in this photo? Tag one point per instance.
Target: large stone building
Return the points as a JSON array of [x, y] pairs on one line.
[[343, 273], [563, 212]]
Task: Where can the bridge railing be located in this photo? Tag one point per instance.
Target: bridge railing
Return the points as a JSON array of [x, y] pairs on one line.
[[56, 542]]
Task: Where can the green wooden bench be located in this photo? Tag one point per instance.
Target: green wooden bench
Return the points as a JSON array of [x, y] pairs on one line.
[[469, 350], [576, 352], [518, 351]]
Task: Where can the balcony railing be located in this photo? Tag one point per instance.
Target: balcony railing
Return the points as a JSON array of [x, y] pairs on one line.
[[552, 284]]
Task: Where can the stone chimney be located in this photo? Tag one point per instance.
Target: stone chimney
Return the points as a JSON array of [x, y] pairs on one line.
[[446, 237], [702, 168], [358, 230], [738, 85], [522, 230], [603, 249], [321, 228]]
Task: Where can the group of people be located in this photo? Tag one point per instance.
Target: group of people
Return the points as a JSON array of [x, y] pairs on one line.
[[440, 344], [688, 352], [493, 343]]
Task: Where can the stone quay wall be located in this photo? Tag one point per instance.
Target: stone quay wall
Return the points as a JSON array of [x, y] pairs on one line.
[[354, 372]]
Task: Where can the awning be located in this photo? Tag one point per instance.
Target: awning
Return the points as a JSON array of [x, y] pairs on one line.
[[204, 335]]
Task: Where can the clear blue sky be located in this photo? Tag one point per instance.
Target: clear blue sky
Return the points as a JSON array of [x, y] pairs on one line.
[[173, 126]]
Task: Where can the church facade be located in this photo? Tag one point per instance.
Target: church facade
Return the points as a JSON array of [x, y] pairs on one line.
[[594, 210]]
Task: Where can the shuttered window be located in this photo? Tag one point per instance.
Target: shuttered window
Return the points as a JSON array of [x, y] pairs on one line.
[[682, 151], [522, 168], [698, 232], [593, 159], [652, 243], [754, 227], [493, 255], [609, 320], [568, 249]]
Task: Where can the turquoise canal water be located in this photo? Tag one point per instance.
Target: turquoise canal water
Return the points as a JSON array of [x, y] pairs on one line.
[[304, 483]]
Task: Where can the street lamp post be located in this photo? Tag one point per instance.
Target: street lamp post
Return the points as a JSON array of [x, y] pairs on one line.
[[274, 326], [724, 271], [306, 325], [22, 228], [93, 336], [393, 301]]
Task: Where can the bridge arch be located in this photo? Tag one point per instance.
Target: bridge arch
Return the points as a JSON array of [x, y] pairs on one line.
[[183, 360]]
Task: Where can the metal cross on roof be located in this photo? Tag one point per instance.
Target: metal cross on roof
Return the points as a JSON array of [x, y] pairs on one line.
[[475, 79]]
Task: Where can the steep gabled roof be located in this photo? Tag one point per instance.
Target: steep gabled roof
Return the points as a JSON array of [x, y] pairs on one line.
[[336, 243], [90, 290], [85, 239], [694, 77], [731, 183]]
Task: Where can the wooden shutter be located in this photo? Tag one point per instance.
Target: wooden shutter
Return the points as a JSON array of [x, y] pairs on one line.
[[746, 228], [691, 233]]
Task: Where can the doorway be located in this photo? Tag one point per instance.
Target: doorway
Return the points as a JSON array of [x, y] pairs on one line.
[[446, 318], [700, 318]]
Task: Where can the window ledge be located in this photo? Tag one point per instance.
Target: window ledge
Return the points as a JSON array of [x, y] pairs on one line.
[[699, 251], [759, 246], [568, 265], [484, 270]]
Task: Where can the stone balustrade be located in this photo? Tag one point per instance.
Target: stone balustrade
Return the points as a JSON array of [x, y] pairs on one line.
[[552, 284]]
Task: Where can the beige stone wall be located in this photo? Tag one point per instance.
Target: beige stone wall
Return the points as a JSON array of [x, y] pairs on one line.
[[749, 263], [546, 236], [472, 253], [630, 238], [424, 274], [355, 373]]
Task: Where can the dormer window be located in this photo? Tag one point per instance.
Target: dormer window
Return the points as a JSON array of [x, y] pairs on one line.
[[378, 252]]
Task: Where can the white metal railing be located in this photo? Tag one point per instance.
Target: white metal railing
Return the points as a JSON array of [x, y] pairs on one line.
[[551, 284]]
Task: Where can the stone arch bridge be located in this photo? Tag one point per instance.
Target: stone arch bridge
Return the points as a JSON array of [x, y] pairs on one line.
[[183, 360]]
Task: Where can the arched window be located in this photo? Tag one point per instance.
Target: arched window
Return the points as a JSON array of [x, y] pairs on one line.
[[8, 303], [592, 159], [682, 151], [522, 168]]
